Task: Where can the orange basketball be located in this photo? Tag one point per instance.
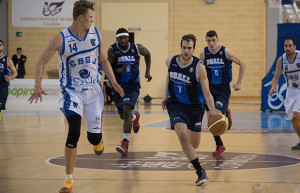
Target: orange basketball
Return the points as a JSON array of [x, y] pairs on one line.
[[217, 124]]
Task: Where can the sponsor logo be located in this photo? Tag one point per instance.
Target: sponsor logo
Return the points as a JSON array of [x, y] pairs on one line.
[[84, 73], [71, 40], [52, 8], [191, 70], [180, 76], [97, 120], [198, 124], [177, 161]]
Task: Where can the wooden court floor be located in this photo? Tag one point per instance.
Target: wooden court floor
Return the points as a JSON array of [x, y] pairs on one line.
[[258, 158]]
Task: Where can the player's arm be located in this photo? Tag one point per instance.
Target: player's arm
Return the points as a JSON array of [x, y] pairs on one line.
[[108, 70], [147, 55], [276, 77], [201, 56], [13, 71], [163, 103], [205, 88], [238, 61], [53, 46]]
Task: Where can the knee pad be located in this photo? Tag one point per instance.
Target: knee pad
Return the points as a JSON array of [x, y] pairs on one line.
[[74, 130], [94, 138]]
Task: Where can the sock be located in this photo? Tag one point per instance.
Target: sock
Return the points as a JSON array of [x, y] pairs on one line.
[[196, 164], [126, 136], [69, 176], [133, 117], [218, 140], [2, 111]]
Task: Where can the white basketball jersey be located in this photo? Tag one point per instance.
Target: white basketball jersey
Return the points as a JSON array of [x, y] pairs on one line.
[[79, 68], [291, 71]]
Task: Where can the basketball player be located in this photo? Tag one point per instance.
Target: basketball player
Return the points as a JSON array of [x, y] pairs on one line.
[[124, 57], [217, 60], [79, 49], [7, 73], [289, 65], [186, 84]]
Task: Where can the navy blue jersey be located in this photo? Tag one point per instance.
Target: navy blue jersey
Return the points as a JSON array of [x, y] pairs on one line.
[[3, 68], [122, 58], [184, 86], [218, 66]]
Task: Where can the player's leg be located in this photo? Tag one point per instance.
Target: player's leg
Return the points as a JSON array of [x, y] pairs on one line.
[[189, 151], [296, 125], [74, 121], [130, 120], [3, 97], [72, 107], [194, 129], [93, 118]]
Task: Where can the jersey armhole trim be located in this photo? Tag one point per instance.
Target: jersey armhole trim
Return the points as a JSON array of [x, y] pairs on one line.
[[63, 44]]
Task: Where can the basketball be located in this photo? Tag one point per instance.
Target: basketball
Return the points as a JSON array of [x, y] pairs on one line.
[[217, 124]]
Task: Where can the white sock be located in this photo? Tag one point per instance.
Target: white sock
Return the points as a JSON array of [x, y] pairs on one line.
[[133, 117], [126, 136], [69, 176]]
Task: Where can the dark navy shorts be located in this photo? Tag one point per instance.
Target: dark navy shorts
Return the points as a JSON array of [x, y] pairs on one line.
[[132, 94], [3, 95], [184, 113], [221, 94]]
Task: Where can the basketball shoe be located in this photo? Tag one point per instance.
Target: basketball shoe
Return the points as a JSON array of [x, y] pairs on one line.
[[99, 148], [296, 147], [220, 149], [228, 115], [68, 186], [202, 177], [123, 148], [135, 123]]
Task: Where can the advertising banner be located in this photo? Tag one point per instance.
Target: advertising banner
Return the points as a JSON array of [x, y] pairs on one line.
[[21, 89], [36, 13]]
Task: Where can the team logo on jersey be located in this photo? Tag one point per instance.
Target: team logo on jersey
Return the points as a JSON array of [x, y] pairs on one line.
[[132, 50], [93, 42], [84, 73], [3, 60], [52, 9], [191, 70], [298, 65], [221, 53], [97, 120], [75, 104]]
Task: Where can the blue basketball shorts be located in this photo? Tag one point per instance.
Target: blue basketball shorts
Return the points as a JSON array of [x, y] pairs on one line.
[[189, 114]]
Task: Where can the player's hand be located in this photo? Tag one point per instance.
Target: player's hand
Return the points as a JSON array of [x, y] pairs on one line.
[[271, 91], [7, 78], [119, 89], [237, 86], [148, 77], [37, 94], [163, 103]]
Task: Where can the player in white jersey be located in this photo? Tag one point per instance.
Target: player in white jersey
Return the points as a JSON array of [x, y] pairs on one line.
[[289, 65], [79, 49]]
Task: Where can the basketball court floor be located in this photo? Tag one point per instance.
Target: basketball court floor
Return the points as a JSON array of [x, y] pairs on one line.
[[258, 156]]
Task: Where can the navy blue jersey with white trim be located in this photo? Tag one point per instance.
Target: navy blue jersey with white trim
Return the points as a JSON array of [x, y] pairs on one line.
[[218, 66], [122, 58], [4, 70], [184, 86]]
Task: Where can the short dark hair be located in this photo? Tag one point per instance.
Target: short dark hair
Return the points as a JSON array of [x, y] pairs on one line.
[[292, 39], [19, 49], [121, 30], [211, 33], [81, 7], [188, 38], [2, 42]]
